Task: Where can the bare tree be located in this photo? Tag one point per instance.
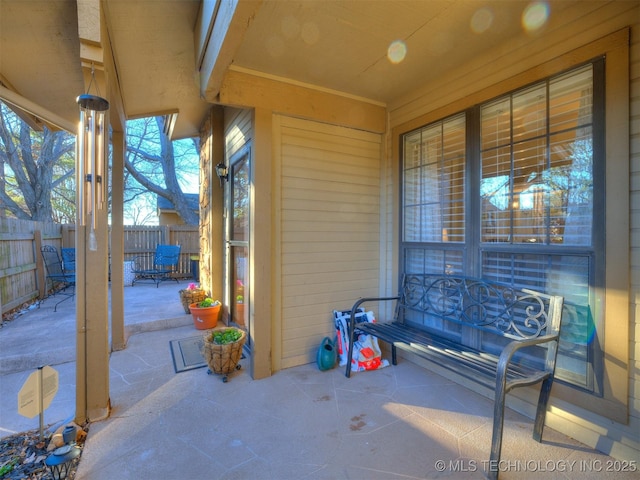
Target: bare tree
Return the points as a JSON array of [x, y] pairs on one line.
[[155, 164], [38, 170]]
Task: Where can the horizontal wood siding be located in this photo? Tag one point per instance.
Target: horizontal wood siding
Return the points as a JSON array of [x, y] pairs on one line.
[[238, 128], [329, 228]]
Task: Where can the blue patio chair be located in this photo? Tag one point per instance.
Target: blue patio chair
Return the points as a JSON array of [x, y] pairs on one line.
[[157, 267], [61, 279], [68, 259]]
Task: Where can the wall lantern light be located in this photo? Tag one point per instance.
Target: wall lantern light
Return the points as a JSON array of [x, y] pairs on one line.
[[92, 131], [222, 171]]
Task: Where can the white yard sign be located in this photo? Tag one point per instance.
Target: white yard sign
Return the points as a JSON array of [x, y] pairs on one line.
[[38, 391]]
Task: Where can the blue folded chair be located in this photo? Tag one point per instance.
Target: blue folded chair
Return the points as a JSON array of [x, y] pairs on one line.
[[68, 259], [157, 267]]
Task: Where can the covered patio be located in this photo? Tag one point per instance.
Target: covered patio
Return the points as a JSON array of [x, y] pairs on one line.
[[398, 422], [321, 112]]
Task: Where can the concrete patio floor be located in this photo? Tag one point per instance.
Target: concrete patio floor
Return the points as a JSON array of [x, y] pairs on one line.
[[401, 422]]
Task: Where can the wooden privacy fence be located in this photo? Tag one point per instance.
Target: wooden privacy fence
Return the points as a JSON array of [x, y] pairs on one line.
[[22, 275], [21, 268]]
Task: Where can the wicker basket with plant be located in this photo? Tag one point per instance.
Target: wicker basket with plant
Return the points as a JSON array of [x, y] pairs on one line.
[[191, 294], [222, 350]]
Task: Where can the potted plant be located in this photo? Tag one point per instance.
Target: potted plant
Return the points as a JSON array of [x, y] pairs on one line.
[[205, 313], [238, 316], [192, 294], [222, 349]]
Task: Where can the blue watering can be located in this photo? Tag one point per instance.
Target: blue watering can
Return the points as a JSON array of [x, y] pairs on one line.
[[327, 354]]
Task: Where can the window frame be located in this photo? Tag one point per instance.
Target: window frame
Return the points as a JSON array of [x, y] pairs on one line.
[[615, 339]]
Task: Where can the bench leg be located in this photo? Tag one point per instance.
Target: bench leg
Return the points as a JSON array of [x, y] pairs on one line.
[[498, 426], [541, 413], [394, 359], [349, 353]]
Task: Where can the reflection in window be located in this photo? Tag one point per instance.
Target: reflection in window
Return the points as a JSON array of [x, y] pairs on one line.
[[537, 163], [434, 177]]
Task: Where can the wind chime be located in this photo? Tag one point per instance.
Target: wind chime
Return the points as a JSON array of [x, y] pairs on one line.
[[92, 131]]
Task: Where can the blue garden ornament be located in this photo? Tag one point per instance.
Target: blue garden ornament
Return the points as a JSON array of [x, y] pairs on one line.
[[327, 354]]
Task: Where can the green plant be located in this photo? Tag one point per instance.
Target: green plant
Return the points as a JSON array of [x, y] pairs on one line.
[[208, 302], [225, 336], [8, 467]]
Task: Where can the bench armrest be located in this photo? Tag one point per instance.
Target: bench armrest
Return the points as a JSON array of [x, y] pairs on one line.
[[352, 323], [360, 301], [511, 348]]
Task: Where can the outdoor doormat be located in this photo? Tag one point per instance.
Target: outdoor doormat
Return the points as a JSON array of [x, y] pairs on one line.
[[186, 353]]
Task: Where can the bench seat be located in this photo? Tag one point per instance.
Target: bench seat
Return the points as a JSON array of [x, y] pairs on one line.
[[475, 365]]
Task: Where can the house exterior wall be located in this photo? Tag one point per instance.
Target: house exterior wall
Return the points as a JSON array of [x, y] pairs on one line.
[[328, 204], [300, 273], [324, 184], [170, 218], [268, 107], [599, 29]]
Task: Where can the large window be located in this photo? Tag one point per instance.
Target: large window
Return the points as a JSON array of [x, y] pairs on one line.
[[509, 190]]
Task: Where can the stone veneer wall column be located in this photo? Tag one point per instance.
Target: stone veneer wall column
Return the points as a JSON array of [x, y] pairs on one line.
[[206, 141], [211, 206]]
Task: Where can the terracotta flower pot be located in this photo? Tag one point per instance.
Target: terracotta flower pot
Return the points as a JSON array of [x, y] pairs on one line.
[[239, 318], [205, 318]]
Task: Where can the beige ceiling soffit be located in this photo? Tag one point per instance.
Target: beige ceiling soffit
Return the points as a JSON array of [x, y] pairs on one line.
[[33, 109], [169, 118], [157, 113], [232, 19], [310, 86], [34, 122]]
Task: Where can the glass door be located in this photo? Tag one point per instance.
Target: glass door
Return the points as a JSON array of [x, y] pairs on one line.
[[239, 178]]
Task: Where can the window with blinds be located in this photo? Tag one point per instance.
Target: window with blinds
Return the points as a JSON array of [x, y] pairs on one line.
[[527, 161], [433, 182], [537, 158]]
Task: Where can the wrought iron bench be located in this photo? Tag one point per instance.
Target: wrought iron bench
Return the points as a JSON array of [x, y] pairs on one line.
[[492, 334]]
